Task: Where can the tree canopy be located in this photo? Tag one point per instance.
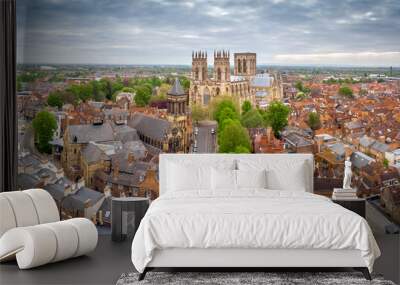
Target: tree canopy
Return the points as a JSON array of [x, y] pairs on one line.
[[233, 138], [252, 119], [346, 91], [221, 104], [143, 95], [276, 116], [299, 86], [246, 106], [313, 121], [163, 89], [55, 99], [199, 113], [185, 82], [83, 92], [228, 113], [44, 125]]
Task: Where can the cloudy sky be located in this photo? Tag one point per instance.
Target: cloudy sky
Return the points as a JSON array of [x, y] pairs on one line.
[[340, 32]]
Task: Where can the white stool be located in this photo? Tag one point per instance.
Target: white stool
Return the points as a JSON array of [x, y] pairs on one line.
[[31, 230]]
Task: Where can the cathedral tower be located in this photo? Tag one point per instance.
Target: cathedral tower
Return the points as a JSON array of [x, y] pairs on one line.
[[222, 68], [180, 129], [245, 64], [199, 66], [176, 100]]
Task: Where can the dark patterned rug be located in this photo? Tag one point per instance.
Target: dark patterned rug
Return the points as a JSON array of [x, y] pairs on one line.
[[243, 278]]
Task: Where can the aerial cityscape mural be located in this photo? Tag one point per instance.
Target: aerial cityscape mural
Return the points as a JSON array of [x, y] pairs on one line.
[[102, 91]]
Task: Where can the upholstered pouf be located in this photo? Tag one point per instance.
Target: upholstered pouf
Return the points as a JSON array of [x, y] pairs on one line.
[[31, 232]]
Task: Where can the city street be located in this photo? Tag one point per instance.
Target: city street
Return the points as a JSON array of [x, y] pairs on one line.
[[205, 140]]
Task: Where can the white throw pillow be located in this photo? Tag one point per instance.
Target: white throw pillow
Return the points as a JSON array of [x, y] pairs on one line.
[[251, 178], [290, 176], [223, 179], [183, 177]]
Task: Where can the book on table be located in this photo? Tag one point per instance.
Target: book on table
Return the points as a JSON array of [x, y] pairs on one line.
[[347, 194]]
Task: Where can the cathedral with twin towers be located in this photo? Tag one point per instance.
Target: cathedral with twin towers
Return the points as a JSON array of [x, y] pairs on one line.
[[243, 84]]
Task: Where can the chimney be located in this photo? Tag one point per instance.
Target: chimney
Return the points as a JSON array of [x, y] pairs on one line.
[[131, 158], [116, 170]]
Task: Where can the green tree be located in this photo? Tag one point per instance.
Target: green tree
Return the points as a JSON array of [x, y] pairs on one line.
[[142, 96], [106, 87], [19, 84], [155, 81], [199, 113], [99, 96], [220, 104], [82, 92], [163, 89], [117, 85], [233, 137], [346, 91], [157, 98], [55, 99], [246, 106], [86, 92], [252, 119], [300, 96], [98, 93], [44, 125], [128, 89], [276, 116], [228, 113], [241, 149], [386, 163], [185, 82], [299, 86], [313, 121], [69, 98]]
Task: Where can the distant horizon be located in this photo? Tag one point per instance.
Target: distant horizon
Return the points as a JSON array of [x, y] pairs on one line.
[[209, 65]]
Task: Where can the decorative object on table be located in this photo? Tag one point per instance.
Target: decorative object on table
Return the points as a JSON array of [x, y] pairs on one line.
[[344, 194], [31, 230], [243, 278], [126, 214], [347, 174]]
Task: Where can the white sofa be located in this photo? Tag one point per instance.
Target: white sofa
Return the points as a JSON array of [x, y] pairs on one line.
[[31, 230]]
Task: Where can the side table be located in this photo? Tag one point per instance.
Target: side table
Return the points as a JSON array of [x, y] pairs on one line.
[[126, 214], [357, 205]]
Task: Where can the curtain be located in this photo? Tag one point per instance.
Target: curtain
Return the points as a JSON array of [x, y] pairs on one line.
[[8, 104]]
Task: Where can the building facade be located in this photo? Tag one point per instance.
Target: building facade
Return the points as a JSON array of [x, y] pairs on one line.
[[244, 84], [170, 134]]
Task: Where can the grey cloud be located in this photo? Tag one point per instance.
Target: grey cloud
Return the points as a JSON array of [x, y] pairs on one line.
[[165, 31]]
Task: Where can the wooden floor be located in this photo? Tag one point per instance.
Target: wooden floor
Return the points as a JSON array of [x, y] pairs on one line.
[[103, 266]]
